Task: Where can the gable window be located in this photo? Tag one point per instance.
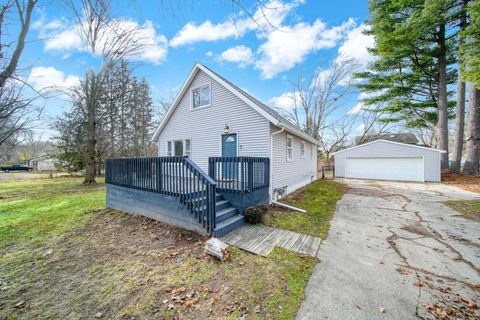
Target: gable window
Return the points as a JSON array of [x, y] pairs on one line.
[[169, 148], [289, 148], [201, 97], [302, 150]]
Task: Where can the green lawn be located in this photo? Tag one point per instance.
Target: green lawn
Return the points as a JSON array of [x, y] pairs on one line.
[[63, 256], [318, 199], [470, 209]]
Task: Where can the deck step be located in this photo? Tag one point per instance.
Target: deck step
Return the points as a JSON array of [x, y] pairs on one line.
[[222, 204], [228, 225], [226, 213]]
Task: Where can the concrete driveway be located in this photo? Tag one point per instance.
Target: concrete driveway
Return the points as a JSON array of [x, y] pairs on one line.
[[393, 252]]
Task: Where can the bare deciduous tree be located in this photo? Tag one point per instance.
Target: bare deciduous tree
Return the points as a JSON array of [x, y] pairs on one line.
[[314, 98], [112, 39], [16, 111]]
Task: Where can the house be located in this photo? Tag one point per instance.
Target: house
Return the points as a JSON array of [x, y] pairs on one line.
[[407, 137], [220, 150], [212, 117], [43, 163], [389, 160]]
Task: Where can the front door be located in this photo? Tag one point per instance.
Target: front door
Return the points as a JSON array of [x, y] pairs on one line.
[[229, 149]]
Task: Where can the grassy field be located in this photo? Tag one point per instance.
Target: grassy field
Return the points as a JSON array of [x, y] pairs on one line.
[[62, 255], [318, 199]]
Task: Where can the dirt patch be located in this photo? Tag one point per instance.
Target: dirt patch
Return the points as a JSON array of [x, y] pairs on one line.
[[125, 267], [365, 192], [469, 183]]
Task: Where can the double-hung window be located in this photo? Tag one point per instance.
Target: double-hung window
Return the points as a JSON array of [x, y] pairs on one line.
[[178, 148], [289, 148], [169, 148], [201, 97], [302, 149]]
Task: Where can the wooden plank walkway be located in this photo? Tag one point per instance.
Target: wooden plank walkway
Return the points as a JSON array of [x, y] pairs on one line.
[[261, 240]]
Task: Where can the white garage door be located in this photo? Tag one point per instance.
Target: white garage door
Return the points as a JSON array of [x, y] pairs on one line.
[[405, 169]]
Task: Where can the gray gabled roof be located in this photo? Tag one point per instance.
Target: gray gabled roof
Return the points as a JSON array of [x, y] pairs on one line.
[[269, 110], [271, 115]]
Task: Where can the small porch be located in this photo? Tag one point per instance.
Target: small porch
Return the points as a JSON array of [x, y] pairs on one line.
[[176, 191]]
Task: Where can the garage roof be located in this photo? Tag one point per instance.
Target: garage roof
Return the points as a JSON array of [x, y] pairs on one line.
[[391, 142]]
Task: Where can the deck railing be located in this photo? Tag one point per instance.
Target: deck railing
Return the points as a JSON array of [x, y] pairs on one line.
[[239, 174], [174, 176]]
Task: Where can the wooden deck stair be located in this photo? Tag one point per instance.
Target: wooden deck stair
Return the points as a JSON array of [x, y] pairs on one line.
[[227, 216]]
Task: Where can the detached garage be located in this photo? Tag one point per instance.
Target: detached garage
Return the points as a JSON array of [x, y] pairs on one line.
[[389, 160]]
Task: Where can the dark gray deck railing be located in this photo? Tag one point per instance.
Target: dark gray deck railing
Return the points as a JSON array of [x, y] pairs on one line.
[[239, 174], [174, 176]]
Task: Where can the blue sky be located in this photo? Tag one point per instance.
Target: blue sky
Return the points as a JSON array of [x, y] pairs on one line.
[[306, 35]]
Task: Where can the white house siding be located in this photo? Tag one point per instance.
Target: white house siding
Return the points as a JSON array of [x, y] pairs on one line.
[[205, 126], [385, 149], [298, 172]]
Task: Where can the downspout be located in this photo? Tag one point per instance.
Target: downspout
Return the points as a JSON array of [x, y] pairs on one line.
[[271, 173]]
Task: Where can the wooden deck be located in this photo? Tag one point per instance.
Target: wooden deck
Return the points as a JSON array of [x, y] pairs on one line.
[[261, 240]]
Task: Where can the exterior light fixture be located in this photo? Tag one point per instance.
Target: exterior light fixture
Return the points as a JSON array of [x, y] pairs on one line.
[[226, 129]]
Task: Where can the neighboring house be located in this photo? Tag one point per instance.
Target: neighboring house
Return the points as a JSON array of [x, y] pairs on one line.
[[43, 163], [389, 160], [408, 138], [212, 117]]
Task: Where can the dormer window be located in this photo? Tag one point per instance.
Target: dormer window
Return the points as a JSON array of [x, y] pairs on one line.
[[201, 97]]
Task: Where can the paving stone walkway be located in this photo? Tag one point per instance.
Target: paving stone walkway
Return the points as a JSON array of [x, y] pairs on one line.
[[262, 240]]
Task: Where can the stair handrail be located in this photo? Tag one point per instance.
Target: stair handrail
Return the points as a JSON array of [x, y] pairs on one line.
[[210, 196]]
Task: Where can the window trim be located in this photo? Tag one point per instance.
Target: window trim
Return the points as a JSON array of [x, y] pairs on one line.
[[289, 159], [209, 84], [303, 150], [185, 149]]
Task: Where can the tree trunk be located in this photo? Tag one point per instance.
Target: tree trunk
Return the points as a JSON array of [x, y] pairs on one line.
[[442, 121], [91, 107], [472, 155], [460, 109], [460, 127]]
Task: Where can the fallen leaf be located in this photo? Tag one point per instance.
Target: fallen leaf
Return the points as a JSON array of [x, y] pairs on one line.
[[381, 309], [418, 283], [165, 301], [403, 271]]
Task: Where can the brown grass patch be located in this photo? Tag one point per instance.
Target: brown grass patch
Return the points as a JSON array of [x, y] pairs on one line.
[[469, 183]]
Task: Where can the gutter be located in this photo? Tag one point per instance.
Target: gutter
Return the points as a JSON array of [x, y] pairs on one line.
[[271, 173]]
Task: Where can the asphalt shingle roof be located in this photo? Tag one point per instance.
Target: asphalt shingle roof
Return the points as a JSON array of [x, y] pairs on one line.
[[284, 121]]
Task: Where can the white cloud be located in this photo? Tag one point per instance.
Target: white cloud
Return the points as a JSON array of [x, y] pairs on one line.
[[209, 54], [64, 38], [357, 109], [265, 19], [360, 128], [207, 31], [238, 54], [48, 79], [356, 45], [284, 101], [289, 46]]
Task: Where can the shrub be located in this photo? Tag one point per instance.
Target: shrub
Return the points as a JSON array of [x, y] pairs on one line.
[[255, 214]]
